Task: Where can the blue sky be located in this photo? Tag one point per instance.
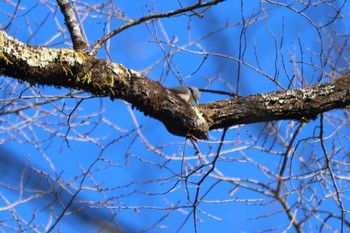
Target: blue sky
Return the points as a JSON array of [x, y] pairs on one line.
[[133, 162]]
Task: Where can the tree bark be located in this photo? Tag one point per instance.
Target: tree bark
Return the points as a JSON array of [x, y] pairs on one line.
[[298, 104], [70, 69]]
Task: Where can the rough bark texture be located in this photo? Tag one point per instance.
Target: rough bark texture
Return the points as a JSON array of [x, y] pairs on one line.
[[298, 104], [79, 43], [70, 69]]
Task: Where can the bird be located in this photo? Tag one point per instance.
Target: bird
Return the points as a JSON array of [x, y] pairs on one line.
[[188, 93]]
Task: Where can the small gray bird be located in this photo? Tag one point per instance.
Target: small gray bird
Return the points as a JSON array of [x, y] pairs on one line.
[[188, 93]]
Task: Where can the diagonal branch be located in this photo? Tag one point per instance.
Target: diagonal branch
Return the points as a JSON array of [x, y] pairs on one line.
[[70, 69], [106, 37], [79, 43]]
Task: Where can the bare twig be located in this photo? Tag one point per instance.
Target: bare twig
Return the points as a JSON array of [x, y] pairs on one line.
[[106, 37]]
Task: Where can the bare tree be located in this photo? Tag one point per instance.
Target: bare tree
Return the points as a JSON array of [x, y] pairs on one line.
[[270, 136]]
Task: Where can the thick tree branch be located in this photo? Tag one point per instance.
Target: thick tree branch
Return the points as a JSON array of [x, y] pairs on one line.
[[70, 69], [79, 43], [298, 104]]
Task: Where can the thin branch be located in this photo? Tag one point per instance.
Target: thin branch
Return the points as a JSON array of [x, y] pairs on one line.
[[80, 188], [212, 167], [286, 156], [168, 14], [330, 170], [279, 197]]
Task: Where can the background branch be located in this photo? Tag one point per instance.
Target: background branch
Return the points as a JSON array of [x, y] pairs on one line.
[[286, 173], [108, 36]]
